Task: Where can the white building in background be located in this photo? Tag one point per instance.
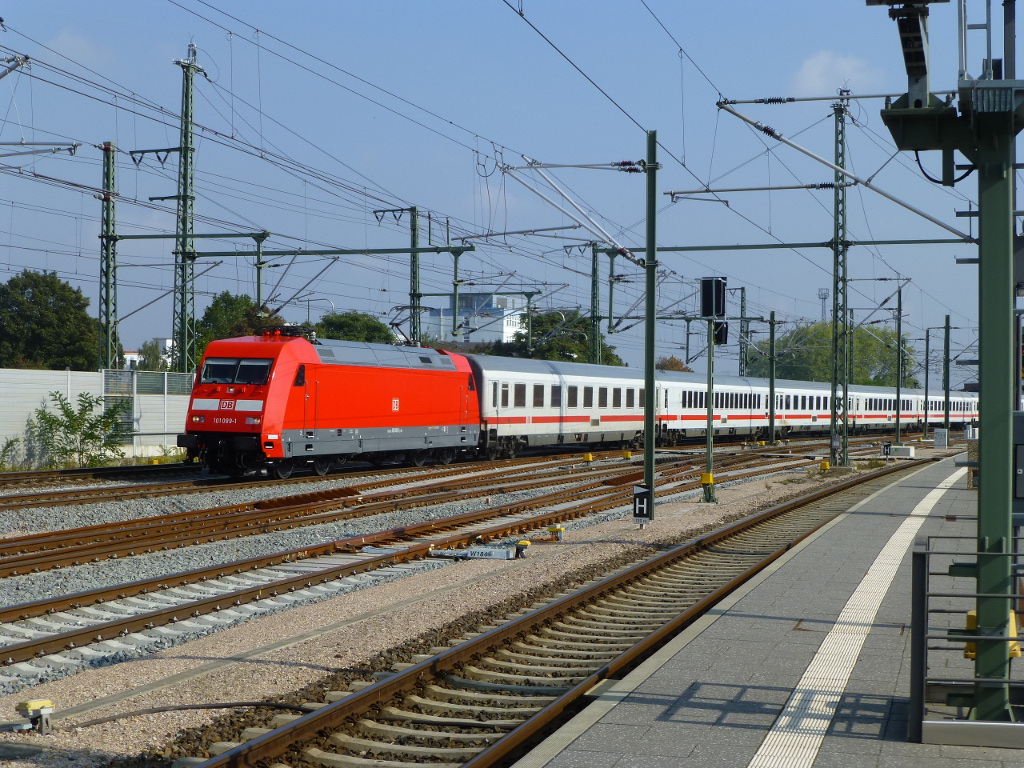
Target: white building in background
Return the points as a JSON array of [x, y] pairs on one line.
[[481, 317], [132, 358]]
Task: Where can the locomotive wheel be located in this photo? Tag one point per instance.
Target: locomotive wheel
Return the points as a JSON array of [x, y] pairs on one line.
[[376, 459], [227, 468], [445, 456], [493, 452], [322, 465], [282, 470], [419, 458]]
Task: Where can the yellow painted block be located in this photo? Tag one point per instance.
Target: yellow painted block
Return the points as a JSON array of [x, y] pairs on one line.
[[588, 457], [24, 707], [707, 478], [972, 624], [825, 465], [627, 454]]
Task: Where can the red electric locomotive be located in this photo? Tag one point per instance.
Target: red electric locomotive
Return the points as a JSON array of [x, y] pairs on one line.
[[278, 401]]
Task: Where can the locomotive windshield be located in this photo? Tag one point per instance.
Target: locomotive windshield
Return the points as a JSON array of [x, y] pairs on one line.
[[227, 370]]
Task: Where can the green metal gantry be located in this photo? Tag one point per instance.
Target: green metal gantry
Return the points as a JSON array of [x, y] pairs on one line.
[[108, 261], [991, 113], [184, 321], [839, 454]]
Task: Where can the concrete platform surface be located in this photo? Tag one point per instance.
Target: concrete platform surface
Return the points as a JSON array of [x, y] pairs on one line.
[[808, 665]]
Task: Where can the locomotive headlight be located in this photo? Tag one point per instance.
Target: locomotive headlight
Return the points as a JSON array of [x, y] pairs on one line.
[[198, 419], [253, 419]]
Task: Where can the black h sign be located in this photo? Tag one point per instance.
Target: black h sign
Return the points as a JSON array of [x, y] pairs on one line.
[[712, 297], [642, 510]]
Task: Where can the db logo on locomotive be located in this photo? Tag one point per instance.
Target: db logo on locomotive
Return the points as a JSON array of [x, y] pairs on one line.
[[227, 405]]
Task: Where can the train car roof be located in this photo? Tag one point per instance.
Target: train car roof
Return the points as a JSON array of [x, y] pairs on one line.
[[334, 352], [493, 365]]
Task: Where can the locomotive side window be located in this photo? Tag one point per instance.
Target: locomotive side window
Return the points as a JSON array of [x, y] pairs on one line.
[[556, 396], [538, 395], [573, 392], [588, 397], [300, 377], [472, 384], [520, 396]]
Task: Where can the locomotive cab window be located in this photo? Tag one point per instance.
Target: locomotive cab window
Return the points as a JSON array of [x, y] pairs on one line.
[[300, 377], [226, 370]]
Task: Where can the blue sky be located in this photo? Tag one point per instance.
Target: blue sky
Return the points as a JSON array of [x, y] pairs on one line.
[[314, 114]]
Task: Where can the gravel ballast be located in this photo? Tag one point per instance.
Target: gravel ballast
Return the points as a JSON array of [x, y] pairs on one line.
[[275, 654]]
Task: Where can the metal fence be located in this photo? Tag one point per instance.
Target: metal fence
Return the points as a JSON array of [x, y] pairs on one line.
[[942, 676], [156, 403]]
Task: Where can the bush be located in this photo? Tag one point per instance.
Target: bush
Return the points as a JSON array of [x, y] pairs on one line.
[[7, 453], [81, 436]]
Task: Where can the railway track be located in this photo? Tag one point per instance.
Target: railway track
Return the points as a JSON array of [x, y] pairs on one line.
[[99, 495], [484, 699], [82, 475], [106, 494], [55, 549], [62, 634]]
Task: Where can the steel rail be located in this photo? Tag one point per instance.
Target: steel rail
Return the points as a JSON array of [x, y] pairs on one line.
[[74, 547], [601, 494], [277, 742], [77, 474]]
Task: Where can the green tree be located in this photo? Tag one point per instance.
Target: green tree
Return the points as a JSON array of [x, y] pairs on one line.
[[225, 311], [46, 324], [229, 316], [150, 358], [556, 335], [354, 326], [672, 363], [82, 435], [805, 354], [254, 321]]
